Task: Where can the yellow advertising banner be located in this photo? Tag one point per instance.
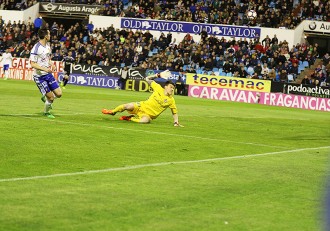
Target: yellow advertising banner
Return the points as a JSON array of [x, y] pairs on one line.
[[229, 82]]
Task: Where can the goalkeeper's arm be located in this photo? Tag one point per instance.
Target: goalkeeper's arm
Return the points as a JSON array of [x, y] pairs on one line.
[[176, 120], [164, 74], [151, 78]]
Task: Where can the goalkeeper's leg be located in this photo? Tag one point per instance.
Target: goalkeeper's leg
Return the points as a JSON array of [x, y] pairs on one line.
[[120, 108], [136, 119], [142, 120]]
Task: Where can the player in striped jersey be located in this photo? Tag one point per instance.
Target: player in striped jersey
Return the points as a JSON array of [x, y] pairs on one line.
[[43, 68]]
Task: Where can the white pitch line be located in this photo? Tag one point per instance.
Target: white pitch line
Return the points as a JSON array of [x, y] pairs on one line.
[[154, 132], [155, 165]]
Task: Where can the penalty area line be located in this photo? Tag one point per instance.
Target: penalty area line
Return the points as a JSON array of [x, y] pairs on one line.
[[156, 165]]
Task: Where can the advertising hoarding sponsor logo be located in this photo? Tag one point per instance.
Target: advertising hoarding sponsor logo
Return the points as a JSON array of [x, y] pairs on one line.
[[95, 70], [317, 26], [93, 81], [307, 90], [223, 94], [193, 28], [295, 101], [272, 99], [69, 8], [229, 82]]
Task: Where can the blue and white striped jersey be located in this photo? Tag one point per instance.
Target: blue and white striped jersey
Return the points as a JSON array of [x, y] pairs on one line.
[[42, 55]]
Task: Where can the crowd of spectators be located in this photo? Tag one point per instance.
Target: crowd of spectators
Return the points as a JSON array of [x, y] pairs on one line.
[[16, 4], [266, 59], [270, 13]]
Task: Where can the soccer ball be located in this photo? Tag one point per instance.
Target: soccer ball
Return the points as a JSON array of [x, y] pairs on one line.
[[251, 15]]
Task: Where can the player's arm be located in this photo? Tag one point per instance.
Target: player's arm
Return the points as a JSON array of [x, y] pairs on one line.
[[164, 74], [151, 78], [176, 120], [38, 67], [175, 116]]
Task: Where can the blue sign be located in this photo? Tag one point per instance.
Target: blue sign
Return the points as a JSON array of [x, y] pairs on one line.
[[93, 81], [192, 28], [175, 76]]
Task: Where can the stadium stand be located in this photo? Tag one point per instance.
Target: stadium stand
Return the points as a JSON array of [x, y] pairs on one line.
[[114, 47]]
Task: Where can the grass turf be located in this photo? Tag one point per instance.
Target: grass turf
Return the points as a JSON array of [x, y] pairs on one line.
[[282, 191]]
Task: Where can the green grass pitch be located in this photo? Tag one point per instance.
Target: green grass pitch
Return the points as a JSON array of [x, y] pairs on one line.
[[234, 166]]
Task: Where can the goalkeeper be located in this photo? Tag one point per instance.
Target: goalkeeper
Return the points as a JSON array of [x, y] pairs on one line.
[[146, 111]]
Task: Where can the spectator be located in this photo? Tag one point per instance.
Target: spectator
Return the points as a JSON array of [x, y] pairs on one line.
[[326, 59]]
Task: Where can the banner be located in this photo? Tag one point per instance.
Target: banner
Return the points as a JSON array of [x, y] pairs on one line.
[[69, 8], [92, 81], [175, 76], [229, 82], [317, 26], [21, 69], [307, 90], [295, 101], [223, 94], [137, 85], [95, 70], [190, 27], [272, 99]]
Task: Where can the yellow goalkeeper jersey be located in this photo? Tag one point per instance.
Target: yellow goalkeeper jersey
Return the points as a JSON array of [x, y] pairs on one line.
[[158, 102]]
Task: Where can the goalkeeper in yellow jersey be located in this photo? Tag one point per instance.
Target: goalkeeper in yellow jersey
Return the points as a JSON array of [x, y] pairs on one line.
[[146, 111]]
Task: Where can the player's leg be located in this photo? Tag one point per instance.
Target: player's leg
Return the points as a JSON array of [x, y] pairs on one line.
[[55, 92], [47, 94], [139, 116], [143, 119], [65, 80], [5, 71], [123, 107]]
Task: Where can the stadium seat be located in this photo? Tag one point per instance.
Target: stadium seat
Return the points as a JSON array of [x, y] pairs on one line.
[[278, 79], [290, 78], [250, 70], [215, 69], [306, 64], [301, 68], [155, 51]]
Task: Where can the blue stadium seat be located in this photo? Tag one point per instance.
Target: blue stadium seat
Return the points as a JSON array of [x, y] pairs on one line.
[[301, 67], [250, 70], [290, 78], [155, 50], [306, 64]]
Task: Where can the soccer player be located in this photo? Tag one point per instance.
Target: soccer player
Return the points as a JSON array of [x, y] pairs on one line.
[[42, 75], [6, 60], [68, 62], [146, 111]]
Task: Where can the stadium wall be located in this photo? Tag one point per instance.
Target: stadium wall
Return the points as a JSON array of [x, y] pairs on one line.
[[15, 15]]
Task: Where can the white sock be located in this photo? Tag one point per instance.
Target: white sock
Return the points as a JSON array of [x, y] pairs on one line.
[[48, 104]]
